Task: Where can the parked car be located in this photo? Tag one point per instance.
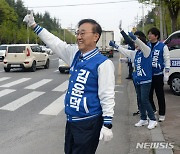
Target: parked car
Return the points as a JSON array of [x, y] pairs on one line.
[[3, 49], [63, 67], [173, 43], [26, 56], [46, 49]]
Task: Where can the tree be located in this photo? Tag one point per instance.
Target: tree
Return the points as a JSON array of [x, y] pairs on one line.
[[6, 12], [173, 7], [20, 10]]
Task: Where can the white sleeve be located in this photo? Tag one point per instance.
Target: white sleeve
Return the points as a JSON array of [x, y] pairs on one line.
[[143, 47], [166, 57], [106, 84], [128, 53], [65, 51]]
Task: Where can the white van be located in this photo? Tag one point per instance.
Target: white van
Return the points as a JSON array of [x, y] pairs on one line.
[[173, 43]]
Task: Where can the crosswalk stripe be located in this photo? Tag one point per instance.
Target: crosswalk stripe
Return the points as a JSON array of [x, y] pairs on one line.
[[55, 59], [119, 92], [22, 101], [38, 84], [15, 82], [6, 91], [4, 78], [119, 85], [56, 71], [55, 107], [62, 87]]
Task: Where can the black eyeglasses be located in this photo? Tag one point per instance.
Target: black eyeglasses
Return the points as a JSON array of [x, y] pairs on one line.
[[81, 33]]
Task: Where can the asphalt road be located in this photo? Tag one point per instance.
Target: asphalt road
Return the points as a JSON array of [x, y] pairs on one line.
[[32, 119]]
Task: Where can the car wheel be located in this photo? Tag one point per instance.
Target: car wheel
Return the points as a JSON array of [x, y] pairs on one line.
[[46, 66], [6, 69], [62, 71], [33, 67], [175, 84]]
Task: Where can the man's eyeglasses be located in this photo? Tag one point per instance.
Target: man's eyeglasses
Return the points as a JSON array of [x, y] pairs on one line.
[[81, 33]]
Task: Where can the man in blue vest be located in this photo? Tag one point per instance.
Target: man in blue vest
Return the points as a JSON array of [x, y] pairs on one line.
[[160, 61], [89, 101]]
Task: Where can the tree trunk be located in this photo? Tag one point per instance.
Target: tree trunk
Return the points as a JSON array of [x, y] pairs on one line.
[[173, 10], [174, 23]]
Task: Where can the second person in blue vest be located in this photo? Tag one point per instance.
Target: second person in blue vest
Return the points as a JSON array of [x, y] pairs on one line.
[[142, 76]]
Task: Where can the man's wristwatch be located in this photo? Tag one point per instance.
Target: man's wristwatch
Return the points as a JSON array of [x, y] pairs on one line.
[[108, 125]]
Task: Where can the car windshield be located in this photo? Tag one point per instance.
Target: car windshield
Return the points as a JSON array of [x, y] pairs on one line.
[[3, 47], [16, 49]]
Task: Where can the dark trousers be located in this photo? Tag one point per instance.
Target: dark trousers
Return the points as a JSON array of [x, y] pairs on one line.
[[83, 137], [158, 86], [130, 69]]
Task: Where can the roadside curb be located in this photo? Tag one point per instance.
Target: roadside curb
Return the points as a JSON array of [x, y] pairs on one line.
[[157, 136], [142, 134]]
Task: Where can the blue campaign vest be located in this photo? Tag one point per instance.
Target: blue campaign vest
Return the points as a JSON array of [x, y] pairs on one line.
[[143, 68], [81, 100], [157, 58]]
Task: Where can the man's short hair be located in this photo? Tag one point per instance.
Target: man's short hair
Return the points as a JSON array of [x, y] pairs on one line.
[[96, 27], [154, 31]]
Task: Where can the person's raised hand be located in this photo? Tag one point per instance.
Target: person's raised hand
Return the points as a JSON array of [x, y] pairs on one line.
[[132, 35], [112, 44], [29, 19]]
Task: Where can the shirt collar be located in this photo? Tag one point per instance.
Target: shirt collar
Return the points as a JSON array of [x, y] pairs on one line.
[[90, 54]]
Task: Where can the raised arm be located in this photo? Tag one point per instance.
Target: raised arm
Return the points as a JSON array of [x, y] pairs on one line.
[[142, 46], [126, 52], [128, 40], [61, 48], [126, 37]]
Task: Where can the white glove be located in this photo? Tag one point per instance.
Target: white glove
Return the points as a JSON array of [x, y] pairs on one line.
[[106, 134], [166, 76], [120, 25], [29, 19]]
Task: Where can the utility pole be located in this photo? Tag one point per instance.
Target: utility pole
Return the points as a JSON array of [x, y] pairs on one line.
[[64, 34], [161, 20], [27, 34], [142, 18]]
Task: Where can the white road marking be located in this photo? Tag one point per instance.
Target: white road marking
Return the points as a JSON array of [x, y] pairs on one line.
[[56, 71], [119, 92], [22, 101], [4, 78], [119, 85], [6, 92], [62, 87], [55, 107], [55, 59], [15, 82], [38, 84]]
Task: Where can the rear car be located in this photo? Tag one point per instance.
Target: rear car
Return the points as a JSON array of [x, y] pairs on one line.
[[3, 49], [63, 67], [26, 56], [173, 43], [46, 49]]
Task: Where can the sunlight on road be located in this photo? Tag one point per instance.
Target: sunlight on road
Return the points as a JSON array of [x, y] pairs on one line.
[[119, 72]]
